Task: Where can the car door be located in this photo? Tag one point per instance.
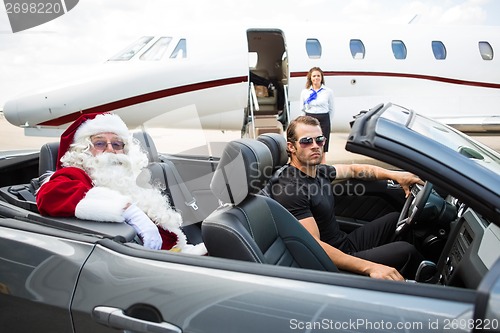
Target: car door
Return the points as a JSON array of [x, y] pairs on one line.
[[54, 280], [128, 288], [39, 267], [358, 202]]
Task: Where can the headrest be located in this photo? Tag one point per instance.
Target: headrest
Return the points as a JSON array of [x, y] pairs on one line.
[[244, 168], [47, 160], [148, 145], [278, 147]]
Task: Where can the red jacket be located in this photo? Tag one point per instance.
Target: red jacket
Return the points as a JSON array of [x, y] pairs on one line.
[[70, 193]]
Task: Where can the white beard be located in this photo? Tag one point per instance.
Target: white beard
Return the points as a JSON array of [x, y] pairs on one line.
[[116, 172]]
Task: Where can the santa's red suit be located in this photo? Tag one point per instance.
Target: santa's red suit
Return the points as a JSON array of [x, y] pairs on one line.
[[100, 187], [68, 194]]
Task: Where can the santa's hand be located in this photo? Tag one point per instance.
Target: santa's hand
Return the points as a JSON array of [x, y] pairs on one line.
[[145, 228]]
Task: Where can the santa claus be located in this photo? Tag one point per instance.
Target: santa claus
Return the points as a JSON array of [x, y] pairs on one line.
[[102, 176]]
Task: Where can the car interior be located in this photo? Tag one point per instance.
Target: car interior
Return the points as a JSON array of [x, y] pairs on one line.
[[164, 174], [222, 204], [253, 227]]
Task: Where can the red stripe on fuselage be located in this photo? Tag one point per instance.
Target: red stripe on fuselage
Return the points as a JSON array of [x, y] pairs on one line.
[[222, 82], [407, 75], [144, 98]]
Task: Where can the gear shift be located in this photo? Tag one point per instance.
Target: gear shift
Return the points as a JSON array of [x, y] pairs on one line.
[[426, 272]]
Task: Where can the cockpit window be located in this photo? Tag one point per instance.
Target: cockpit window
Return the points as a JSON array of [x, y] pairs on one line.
[[439, 50], [357, 49], [158, 49], [180, 50], [399, 49], [486, 50], [313, 48], [131, 50]]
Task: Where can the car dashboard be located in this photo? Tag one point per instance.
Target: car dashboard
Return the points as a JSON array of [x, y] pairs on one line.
[[472, 249]]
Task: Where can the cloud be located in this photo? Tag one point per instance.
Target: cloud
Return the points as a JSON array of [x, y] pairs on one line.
[[469, 12]]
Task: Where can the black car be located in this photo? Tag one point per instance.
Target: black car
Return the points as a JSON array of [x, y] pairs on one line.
[[68, 275]]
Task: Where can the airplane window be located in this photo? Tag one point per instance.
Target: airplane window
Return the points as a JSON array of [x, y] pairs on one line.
[[486, 50], [313, 48], [357, 49], [399, 49], [131, 50], [439, 50], [180, 50], [158, 49]]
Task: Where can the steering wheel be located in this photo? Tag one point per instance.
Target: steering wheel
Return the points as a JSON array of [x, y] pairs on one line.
[[413, 206]]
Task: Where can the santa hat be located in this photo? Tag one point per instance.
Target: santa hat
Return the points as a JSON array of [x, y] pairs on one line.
[[90, 124]]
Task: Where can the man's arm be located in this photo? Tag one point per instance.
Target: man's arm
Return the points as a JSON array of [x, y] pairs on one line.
[[350, 263], [372, 172]]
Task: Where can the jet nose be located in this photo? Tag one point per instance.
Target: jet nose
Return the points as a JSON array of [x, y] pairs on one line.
[[10, 112]]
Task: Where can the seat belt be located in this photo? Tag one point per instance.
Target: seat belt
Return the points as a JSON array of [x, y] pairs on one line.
[[22, 192], [267, 189], [189, 199]]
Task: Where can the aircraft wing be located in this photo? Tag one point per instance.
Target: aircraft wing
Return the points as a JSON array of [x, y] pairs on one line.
[[474, 124]]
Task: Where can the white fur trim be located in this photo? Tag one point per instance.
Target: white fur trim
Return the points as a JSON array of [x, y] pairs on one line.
[[102, 123], [198, 249], [102, 204]]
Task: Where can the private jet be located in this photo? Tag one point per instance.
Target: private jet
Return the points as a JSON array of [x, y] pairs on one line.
[[250, 78]]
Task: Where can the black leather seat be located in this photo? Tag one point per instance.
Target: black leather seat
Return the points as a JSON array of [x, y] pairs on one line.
[[47, 160], [162, 173], [278, 147], [279, 151], [253, 227]]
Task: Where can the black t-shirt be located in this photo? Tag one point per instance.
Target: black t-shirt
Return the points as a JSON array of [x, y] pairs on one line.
[[305, 196]]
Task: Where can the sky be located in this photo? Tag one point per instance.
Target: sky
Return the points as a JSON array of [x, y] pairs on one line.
[[95, 30]]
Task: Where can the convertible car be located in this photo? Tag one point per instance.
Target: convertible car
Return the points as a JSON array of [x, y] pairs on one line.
[[263, 272]]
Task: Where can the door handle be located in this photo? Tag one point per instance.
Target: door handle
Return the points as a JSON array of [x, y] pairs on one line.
[[116, 318]]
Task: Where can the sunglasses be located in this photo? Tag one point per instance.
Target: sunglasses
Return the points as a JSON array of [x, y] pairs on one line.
[[307, 141], [102, 145]]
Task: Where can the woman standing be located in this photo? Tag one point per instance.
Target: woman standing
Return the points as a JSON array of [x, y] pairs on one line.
[[317, 101]]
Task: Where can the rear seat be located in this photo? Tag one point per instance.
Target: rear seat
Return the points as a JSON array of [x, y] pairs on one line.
[[23, 195], [192, 208], [163, 172], [23, 201]]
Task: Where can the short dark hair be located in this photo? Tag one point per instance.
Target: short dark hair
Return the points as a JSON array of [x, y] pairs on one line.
[[306, 120]]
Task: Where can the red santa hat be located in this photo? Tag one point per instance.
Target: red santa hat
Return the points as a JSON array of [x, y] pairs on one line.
[[90, 124]]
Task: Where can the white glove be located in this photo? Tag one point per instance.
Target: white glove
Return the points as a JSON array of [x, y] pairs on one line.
[[145, 228]]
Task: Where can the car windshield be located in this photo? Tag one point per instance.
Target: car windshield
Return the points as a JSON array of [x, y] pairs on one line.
[[445, 135]]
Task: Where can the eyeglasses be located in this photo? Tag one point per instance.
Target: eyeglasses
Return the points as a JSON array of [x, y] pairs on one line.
[[307, 141], [102, 145]]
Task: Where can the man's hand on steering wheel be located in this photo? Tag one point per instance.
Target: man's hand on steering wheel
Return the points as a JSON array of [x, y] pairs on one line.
[[413, 207], [407, 180]]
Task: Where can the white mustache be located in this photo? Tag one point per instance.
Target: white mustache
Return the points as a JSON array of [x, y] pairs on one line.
[[112, 159]]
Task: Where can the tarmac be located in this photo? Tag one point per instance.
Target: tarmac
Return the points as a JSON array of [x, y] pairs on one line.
[[180, 141]]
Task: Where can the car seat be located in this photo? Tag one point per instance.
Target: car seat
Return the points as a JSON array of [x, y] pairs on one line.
[[252, 227]]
